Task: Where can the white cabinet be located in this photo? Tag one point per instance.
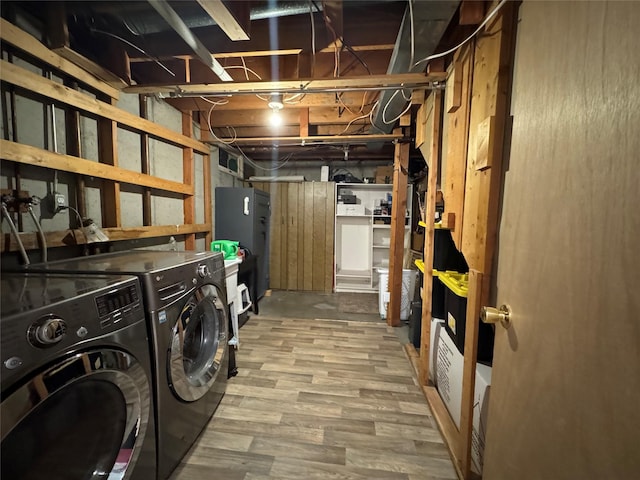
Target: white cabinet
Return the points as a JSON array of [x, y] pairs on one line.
[[363, 235]]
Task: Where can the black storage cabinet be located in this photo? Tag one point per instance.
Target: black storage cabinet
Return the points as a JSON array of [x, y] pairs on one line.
[[243, 214]]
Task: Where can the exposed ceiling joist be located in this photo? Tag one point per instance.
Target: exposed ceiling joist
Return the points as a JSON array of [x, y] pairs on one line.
[[313, 140], [310, 85], [174, 20], [224, 18]]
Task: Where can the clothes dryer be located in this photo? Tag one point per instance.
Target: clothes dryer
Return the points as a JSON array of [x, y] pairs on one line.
[[76, 379], [184, 295]]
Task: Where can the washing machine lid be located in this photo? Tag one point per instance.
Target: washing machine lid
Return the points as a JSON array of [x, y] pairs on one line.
[[133, 262], [198, 344]]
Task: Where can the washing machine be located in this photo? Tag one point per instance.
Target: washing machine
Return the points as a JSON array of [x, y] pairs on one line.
[[184, 294], [76, 379]]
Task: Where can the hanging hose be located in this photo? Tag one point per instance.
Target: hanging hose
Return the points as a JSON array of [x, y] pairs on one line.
[[14, 230], [43, 240]]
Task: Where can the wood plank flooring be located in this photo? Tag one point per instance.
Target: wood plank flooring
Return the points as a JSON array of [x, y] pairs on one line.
[[319, 399]]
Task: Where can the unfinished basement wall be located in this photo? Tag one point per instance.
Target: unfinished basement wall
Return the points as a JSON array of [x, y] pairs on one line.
[[26, 120]]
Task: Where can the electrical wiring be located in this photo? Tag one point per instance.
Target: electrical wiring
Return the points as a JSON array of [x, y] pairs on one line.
[[285, 160], [14, 230], [124, 40], [80, 226], [356, 119], [313, 39], [384, 110], [225, 142], [451, 50]]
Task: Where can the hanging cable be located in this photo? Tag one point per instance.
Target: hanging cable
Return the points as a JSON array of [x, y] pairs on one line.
[[80, 226], [313, 40], [14, 230], [43, 240], [443, 54], [124, 40]]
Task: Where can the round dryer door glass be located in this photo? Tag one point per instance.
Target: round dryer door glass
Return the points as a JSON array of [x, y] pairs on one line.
[[83, 418], [198, 345]]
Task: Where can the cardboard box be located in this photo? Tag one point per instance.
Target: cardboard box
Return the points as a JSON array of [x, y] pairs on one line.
[[384, 174], [480, 415], [449, 365]]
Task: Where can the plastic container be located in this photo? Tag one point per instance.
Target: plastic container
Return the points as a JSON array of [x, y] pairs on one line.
[[228, 247], [445, 254], [408, 287], [455, 305]]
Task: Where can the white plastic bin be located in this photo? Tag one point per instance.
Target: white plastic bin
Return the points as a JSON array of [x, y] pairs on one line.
[[408, 286]]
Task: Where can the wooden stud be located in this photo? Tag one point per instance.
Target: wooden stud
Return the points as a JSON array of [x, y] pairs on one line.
[[396, 249], [29, 155], [455, 170], [453, 97], [208, 210], [304, 122], [188, 177], [18, 38], [108, 154], [231, 17], [471, 12], [23, 78], [146, 162], [65, 237], [429, 214], [469, 369]]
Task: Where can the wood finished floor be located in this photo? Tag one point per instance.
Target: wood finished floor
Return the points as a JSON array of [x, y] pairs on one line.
[[319, 399]]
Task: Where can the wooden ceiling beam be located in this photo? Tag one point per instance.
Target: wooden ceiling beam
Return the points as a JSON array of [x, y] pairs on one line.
[[246, 118], [364, 82], [317, 139], [228, 16], [352, 100]]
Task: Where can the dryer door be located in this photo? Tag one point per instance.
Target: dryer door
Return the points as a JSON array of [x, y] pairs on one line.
[[84, 417], [198, 344]]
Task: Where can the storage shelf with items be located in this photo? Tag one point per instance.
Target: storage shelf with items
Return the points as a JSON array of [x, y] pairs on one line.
[[363, 235]]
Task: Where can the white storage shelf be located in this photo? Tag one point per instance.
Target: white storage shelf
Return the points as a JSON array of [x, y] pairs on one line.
[[362, 244]]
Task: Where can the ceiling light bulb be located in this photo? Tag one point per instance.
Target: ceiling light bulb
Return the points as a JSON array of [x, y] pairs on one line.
[[276, 119], [275, 103]]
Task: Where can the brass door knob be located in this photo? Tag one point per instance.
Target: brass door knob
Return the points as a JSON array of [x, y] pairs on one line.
[[495, 315]]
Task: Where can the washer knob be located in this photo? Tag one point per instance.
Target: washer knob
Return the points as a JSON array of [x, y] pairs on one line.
[[47, 331], [203, 271]]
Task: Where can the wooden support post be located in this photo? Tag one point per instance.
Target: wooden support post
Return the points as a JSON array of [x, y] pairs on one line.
[[429, 215], [304, 122], [188, 170], [74, 147], [457, 118], [469, 370], [208, 212], [396, 250], [146, 163], [108, 151]]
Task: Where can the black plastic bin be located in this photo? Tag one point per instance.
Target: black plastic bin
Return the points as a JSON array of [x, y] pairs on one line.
[[455, 302], [445, 254]]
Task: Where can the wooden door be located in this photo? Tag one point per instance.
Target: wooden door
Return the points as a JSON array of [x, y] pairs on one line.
[[565, 398], [302, 230]]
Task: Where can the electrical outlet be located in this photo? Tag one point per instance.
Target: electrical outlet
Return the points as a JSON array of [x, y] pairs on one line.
[[59, 200]]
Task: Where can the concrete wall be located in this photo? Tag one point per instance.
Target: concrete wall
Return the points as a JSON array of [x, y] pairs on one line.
[[26, 119]]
